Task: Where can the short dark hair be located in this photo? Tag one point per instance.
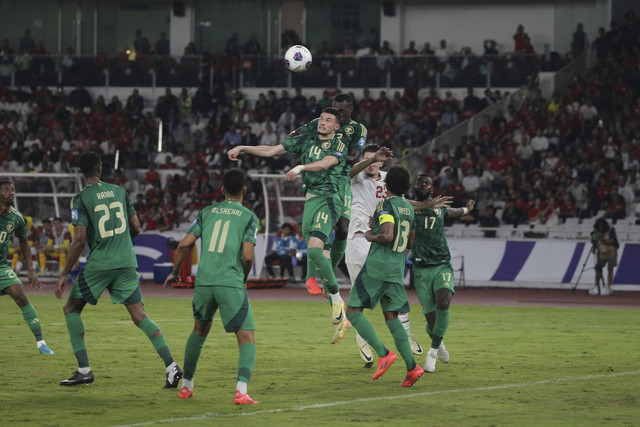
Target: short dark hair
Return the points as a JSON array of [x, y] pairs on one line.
[[234, 181], [334, 112], [344, 97], [57, 218], [89, 162], [5, 181], [285, 225], [371, 148], [398, 180], [602, 224], [46, 221]]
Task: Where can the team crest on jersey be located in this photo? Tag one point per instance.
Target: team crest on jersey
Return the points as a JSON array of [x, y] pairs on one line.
[[361, 142], [437, 211], [74, 214], [10, 226], [349, 130], [326, 145]]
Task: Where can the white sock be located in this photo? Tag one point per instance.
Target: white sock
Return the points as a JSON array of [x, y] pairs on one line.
[[336, 298], [170, 367], [41, 343], [404, 318], [84, 371], [187, 383], [241, 387]]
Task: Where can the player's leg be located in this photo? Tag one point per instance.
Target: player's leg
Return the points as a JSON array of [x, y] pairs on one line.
[[393, 301], [339, 244], [152, 331], [365, 293], [204, 307], [236, 316], [10, 285], [192, 352], [72, 314], [355, 257], [406, 324]]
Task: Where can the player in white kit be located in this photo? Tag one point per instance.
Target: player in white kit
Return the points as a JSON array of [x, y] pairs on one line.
[[368, 188]]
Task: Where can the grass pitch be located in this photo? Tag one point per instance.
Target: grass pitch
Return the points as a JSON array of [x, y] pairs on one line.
[[509, 366]]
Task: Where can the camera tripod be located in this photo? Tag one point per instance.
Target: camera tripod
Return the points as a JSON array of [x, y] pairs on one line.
[[596, 267]]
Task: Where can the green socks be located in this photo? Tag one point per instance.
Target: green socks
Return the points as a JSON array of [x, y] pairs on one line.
[[192, 354], [76, 336], [311, 268], [246, 362], [337, 252], [440, 328], [149, 328], [366, 331], [401, 340], [324, 270], [31, 317]]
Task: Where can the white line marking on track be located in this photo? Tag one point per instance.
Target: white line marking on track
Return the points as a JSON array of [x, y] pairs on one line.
[[210, 415]]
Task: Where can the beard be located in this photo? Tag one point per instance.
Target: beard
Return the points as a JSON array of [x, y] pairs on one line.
[[421, 196]]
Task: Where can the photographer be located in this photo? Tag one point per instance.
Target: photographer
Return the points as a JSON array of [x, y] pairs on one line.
[[605, 241]]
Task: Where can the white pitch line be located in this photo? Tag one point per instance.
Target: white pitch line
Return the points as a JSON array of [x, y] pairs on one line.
[[210, 415]]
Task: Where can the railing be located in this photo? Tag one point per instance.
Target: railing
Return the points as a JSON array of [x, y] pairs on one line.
[[101, 70], [45, 195], [384, 71]]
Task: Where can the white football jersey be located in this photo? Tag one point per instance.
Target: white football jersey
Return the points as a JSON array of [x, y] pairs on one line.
[[367, 193]]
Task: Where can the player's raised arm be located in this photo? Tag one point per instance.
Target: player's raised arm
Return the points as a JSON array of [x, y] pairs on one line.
[[258, 150], [437, 202], [458, 212], [382, 155]]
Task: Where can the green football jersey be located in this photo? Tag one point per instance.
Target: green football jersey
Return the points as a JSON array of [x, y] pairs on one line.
[[311, 149], [353, 134], [105, 210], [430, 247], [223, 227], [386, 261], [11, 223]]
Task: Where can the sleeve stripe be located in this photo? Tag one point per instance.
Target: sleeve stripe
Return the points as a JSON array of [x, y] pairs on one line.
[[387, 218]]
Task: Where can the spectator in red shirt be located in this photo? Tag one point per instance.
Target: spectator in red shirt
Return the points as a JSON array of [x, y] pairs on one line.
[[151, 175]]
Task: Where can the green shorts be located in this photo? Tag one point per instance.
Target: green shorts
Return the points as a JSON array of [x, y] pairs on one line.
[[319, 216], [428, 281], [611, 262], [235, 309], [346, 196], [367, 292], [8, 277], [122, 283]]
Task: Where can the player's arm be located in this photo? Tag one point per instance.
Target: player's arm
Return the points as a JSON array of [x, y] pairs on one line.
[[134, 226], [317, 166], [384, 236], [458, 212], [257, 150], [181, 254], [77, 246], [26, 254], [248, 256], [437, 202], [382, 155]]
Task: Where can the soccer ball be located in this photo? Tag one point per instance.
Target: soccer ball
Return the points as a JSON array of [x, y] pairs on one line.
[[298, 58]]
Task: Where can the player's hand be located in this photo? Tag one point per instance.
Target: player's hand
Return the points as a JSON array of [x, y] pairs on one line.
[[60, 286], [234, 152], [470, 205], [442, 201], [169, 281], [368, 235], [291, 176], [383, 154], [33, 280]]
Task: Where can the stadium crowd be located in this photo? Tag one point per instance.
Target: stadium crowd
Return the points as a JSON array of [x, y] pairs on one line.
[[572, 155]]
